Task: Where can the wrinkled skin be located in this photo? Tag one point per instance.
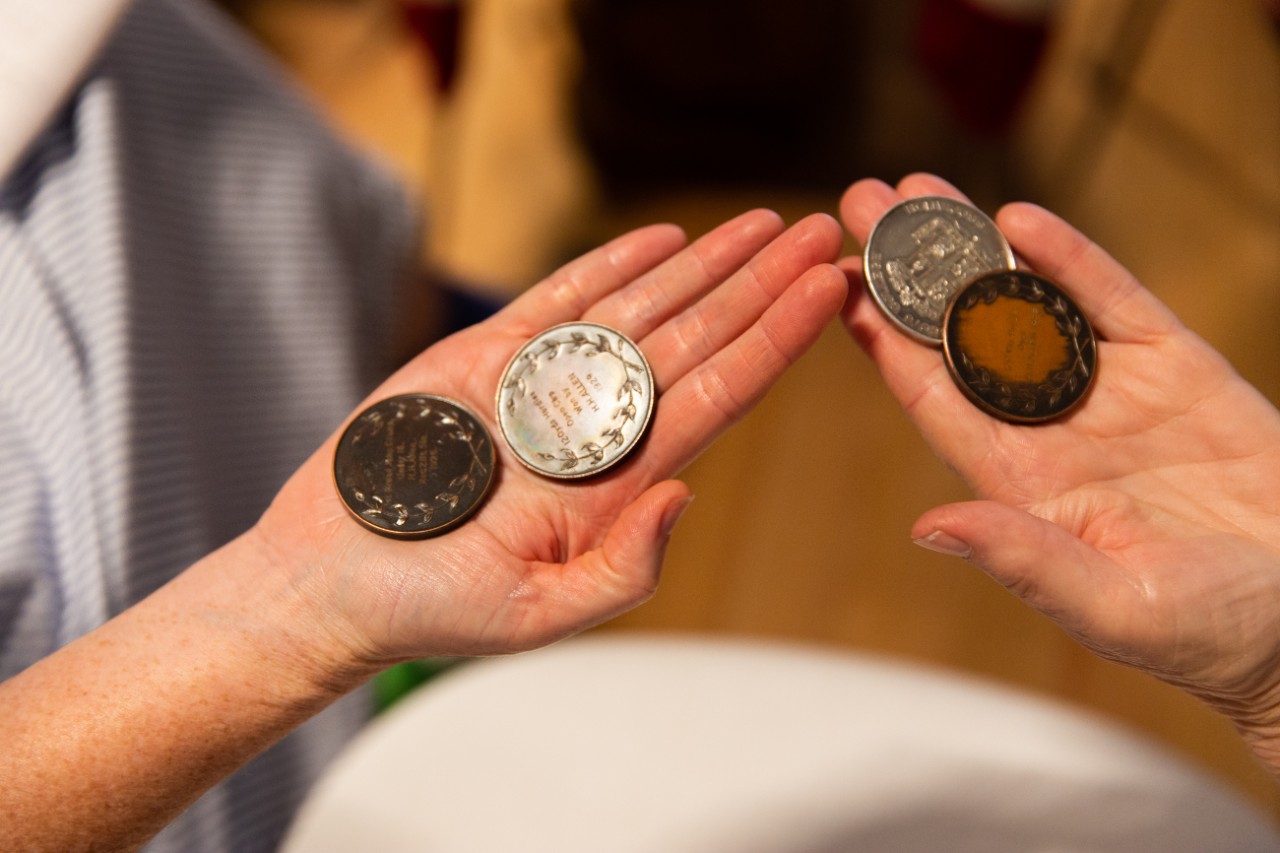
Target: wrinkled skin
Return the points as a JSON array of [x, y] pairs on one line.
[[718, 321], [1147, 521]]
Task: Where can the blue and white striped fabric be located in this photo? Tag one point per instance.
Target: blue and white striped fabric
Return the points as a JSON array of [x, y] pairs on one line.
[[197, 283]]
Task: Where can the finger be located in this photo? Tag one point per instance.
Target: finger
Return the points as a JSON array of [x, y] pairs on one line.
[[635, 545], [570, 291], [863, 204], [923, 183], [866, 201], [861, 207], [1047, 567], [915, 374], [646, 303], [705, 328], [1117, 305], [714, 395]]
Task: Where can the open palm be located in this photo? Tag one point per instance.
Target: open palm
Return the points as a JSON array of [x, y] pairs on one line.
[[718, 321], [1147, 521]]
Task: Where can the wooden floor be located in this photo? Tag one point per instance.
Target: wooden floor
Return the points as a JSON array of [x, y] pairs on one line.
[[1155, 127]]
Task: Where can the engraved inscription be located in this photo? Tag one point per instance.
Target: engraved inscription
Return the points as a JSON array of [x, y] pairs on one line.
[[416, 464], [575, 399], [1019, 347], [1015, 340]]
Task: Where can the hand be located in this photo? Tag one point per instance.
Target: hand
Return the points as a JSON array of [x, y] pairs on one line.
[[1146, 522], [176, 692], [718, 321]]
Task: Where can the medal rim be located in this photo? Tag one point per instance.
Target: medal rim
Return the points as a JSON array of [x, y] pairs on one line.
[[986, 405], [451, 524], [642, 424], [1007, 254]]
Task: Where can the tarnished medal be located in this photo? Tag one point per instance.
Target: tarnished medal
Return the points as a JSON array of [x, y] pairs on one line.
[[415, 465], [923, 250], [1019, 347], [575, 400]]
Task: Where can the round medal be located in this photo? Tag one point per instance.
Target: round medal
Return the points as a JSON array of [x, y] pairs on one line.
[[923, 250], [575, 400], [1018, 346], [414, 465]]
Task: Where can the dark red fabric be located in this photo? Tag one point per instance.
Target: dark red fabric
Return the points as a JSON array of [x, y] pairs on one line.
[[981, 62]]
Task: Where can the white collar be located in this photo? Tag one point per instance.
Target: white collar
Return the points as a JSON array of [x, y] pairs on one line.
[[45, 45]]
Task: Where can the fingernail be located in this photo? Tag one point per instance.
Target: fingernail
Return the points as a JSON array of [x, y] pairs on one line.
[[673, 514], [945, 543]]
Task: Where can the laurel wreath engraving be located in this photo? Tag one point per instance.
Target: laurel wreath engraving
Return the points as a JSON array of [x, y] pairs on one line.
[[611, 436], [376, 509], [1022, 397]]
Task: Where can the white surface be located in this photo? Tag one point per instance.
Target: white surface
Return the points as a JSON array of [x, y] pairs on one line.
[[614, 744], [45, 45]]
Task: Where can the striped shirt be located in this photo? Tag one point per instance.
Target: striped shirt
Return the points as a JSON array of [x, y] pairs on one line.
[[197, 283]]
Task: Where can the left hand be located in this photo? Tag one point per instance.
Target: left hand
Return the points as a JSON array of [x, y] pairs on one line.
[[719, 321], [1146, 522]]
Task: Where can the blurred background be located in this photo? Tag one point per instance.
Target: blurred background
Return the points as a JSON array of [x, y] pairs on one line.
[[533, 129]]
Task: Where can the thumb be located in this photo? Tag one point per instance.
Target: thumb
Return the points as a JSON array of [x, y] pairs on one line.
[[619, 575], [636, 544], [1047, 567]]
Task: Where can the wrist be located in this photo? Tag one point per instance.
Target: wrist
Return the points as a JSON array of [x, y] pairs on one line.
[[285, 618], [161, 702]]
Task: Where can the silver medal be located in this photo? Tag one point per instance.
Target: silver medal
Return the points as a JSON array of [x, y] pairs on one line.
[[921, 252], [575, 400]]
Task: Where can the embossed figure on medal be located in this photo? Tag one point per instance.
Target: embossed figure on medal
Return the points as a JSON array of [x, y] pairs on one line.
[[921, 252]]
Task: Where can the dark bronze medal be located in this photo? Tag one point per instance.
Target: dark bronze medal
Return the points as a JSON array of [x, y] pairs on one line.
[[1018, 346], [413, 466]]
